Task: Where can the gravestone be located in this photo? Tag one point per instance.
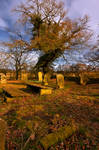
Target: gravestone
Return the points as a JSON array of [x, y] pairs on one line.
[[3, 78], [8, 75], [60, 81], [46, 78], [24, 76], [3, 127], [83, 78], [40, 76]]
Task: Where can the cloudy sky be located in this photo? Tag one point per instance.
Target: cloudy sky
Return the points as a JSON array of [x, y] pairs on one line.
[[76, 8]]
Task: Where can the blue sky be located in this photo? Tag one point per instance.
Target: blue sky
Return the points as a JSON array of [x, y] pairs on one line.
[[76, 8]]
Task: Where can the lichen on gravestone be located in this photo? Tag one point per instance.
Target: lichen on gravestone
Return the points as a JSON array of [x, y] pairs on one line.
[[60, 135]]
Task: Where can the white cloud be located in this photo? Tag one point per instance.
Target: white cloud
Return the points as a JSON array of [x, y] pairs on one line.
[[6, 7], [90, 7], [3, 24]]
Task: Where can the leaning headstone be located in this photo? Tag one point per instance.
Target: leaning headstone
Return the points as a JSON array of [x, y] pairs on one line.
[[60, 80], [40, 76], [3, 127], [83, 78], [3, 78]]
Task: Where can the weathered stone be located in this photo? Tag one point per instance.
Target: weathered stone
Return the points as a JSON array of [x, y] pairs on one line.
[[83, 78], [60, 80], [45, 91], [3, 127], [3, 78], [46, 78], [8, 76], [40, 76], [60, 135]]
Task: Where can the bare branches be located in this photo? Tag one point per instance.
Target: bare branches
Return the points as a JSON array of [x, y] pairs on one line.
[[16, 52], [52, 33]]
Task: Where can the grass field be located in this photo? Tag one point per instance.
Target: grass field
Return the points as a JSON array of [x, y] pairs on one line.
[[30, 117]]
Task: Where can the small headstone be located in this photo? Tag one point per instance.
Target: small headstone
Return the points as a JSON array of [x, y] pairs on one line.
[[60, 81], [83, 79], [3, 78], [46, 79], [3, 127], [40, 76], [8, 76]]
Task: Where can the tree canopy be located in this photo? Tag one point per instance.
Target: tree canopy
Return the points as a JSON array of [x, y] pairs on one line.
[[52, 32]]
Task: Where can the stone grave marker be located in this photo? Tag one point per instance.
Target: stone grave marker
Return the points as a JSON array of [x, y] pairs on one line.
[[40, 76], [8, 76], [83, 78], [60, 81], [3, 78], [46, 78], [46, 91]]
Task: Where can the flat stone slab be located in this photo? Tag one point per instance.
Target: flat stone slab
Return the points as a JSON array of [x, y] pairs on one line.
[[15, 92], [41, 89]]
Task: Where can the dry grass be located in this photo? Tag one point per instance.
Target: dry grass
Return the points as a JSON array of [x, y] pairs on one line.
[[46, 114]]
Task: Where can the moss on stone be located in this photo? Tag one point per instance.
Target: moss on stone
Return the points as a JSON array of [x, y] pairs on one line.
[[60, 135]]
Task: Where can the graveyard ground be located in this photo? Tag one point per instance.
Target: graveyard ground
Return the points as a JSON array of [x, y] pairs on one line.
[[30, 117]]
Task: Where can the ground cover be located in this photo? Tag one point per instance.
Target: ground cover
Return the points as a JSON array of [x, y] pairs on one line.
[[31, 118]]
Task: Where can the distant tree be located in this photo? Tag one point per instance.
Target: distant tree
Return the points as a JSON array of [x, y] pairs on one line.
[[93, 56], [79, 68], [16, 52], [51, 31], [3, 60]]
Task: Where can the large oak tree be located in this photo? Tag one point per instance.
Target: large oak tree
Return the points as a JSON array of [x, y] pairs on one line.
[[52, 32]]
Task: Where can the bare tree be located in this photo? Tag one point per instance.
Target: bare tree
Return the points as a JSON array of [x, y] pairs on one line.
[[92, 56], [16, 53]]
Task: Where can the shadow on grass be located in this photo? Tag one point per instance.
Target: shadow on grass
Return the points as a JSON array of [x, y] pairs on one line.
[[32, 90]]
